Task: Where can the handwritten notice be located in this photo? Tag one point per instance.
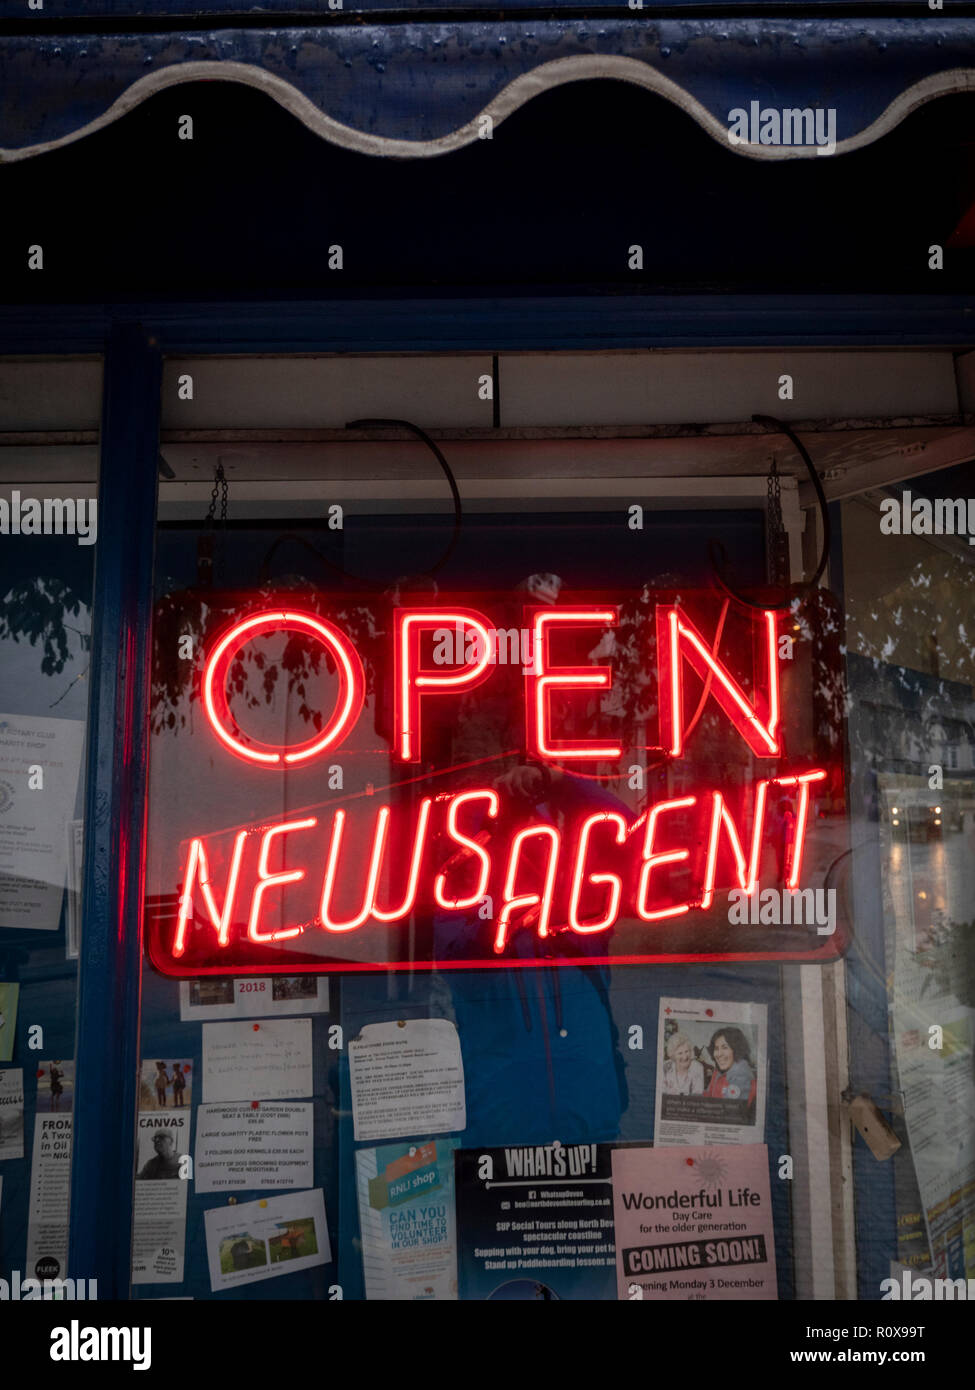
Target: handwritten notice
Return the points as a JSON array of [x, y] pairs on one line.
[[407, 1078], [253, 1146], [11, 1112], [257, 1061]]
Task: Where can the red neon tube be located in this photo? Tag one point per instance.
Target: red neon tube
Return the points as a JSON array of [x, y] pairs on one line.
[[348, 705]]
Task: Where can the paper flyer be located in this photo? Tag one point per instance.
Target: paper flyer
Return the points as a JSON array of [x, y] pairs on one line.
[[693, 1223], [406, 1218], [33, 827], [257, 1061], [72, 914], [166, 1085], [11, 1112], [9, 995], [536, 1223], [161, 1187], [263, 1239], [252, 997], [939, 1108], [712, 1072], [407, 1078], [254, 1144], [50, 1193], [933, 1029], [55, 1087]]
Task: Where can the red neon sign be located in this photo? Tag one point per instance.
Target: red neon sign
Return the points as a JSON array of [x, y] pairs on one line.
[[543, 679], [347, 707], [308, 881], [678, 640], [413, 680]]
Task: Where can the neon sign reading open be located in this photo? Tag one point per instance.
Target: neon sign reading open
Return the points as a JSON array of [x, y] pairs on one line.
[[447, 851]]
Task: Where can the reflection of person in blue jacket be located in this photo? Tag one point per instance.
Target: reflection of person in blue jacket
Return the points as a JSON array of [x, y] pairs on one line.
[[541, 1048]]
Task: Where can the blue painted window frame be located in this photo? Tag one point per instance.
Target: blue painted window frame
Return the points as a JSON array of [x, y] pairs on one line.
[[133, 342]]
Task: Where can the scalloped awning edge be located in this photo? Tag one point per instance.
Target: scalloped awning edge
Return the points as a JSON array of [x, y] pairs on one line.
[[516, 94]]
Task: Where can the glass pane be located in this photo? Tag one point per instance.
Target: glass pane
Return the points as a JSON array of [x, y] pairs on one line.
[[48, 533], [910, 583], [528, 914]]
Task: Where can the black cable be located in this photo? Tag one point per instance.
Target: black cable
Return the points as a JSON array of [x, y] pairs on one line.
[[422, 435], [772, 423], [299, 539], [359, 579], [718, 556]]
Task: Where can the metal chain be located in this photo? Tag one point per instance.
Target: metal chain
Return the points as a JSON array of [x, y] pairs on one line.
[[777, 541], [220, 489]]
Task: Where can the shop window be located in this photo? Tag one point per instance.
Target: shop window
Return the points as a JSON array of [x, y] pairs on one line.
[[48, 535]]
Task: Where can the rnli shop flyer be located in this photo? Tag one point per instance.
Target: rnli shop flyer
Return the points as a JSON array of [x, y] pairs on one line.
[[694, 1223], [406, 1216]]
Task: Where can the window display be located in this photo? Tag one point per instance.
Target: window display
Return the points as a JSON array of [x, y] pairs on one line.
[[487, 686]]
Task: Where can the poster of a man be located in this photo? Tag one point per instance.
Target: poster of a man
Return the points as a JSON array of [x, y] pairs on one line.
[[166, 1162]]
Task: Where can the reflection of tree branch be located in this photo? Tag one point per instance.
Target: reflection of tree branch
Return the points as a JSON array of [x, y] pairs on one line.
[[34, 610], [79, 677], [187, 614]]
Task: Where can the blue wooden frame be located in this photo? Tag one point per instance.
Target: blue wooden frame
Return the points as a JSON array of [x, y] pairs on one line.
[[111, 948], [571, 322], [134, 340]]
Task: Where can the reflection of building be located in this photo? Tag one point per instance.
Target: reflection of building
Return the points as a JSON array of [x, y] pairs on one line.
[[908, 721]]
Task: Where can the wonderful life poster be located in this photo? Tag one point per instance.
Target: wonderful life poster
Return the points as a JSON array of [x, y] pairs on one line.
[[694, 1223]]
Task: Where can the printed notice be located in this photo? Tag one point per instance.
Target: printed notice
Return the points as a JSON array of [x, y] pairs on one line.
[[50, 1190], [407, 1078], [257, 1061], [694, 1223], [72, 907], [252, 997], [536, 1223], [159, 1213], [406, 1216], [11, 1113], [9, 995], [712, 1070], [34, 827], [254, 1145], [263, 1239]]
